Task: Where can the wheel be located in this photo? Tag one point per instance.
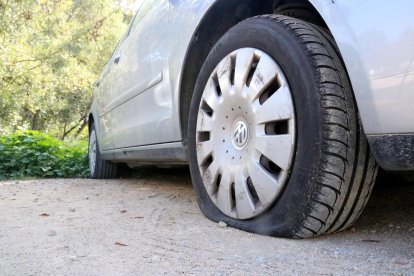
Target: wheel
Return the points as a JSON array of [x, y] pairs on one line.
[[275, 142], [99, 169]]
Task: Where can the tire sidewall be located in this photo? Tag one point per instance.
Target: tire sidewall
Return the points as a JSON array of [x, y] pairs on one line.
[[286, 49], [94, 173]]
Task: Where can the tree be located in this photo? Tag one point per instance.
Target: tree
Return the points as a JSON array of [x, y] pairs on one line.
[[51, 53]]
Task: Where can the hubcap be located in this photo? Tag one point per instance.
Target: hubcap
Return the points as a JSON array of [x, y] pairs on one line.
[[245, 133]]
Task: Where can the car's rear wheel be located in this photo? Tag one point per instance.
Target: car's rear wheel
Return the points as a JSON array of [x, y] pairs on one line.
[[275, 141], [99, 168]]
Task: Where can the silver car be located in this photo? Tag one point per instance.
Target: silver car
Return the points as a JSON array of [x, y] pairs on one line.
[[283, 109]]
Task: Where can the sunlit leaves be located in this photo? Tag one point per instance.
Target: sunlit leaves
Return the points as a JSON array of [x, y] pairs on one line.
[[33, 154], [51, 54]]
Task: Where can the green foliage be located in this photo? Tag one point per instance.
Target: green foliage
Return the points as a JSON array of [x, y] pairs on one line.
[[34, 154], [52, 52]]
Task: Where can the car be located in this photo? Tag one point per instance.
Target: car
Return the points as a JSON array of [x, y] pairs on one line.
[[284, 110]]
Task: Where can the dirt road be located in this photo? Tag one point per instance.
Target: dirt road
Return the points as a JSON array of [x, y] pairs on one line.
[[150, 224]]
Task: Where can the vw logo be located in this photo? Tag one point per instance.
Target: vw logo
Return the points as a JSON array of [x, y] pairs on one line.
[[240, 134]]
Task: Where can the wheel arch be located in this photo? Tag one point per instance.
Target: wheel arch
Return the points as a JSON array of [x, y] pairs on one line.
[[210, 30], [91, 120]]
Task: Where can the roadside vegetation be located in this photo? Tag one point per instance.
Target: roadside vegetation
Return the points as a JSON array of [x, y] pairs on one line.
[[52, 52], [36, 155]]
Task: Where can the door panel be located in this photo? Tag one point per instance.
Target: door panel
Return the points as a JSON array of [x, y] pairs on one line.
[[140, 111], [103, 94]]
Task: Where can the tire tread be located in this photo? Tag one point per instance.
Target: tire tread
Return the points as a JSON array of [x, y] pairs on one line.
[[104, 169], [343, 184]]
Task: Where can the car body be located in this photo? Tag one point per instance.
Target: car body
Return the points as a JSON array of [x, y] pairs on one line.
[[142, 102]]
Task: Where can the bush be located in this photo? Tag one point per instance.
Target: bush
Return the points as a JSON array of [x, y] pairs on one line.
[[34, 154]]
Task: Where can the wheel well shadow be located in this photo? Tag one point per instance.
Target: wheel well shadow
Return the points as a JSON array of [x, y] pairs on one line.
[[214, 25]]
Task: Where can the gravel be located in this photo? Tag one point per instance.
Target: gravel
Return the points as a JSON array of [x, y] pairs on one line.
[[150, 224]]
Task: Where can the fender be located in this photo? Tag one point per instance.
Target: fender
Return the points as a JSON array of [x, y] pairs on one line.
[[367, 41]]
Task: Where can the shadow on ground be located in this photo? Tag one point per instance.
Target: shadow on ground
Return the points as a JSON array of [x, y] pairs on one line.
[[390, 208], [391, 205], [148, 223]]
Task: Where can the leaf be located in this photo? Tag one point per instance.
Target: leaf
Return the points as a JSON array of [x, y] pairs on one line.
[[51, 54], [120, 244], [33, 160]]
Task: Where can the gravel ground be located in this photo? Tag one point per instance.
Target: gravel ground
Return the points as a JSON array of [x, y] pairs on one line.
[[150, 224]]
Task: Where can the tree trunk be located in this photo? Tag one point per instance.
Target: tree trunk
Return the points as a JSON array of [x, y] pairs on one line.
[[36, 121], [82, 126]]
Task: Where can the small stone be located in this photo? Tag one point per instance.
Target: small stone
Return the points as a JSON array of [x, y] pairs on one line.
[[123, 211], [71, 209], [390, 225], [51, 233], [373, 231], [222, 224], [353, 230], [411, 230], [155, 258], [73, 258]]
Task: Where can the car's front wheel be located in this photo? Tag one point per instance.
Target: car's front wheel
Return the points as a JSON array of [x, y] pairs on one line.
[[275, 142]]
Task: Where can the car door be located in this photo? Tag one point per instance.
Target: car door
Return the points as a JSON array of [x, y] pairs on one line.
[[104, 95], [140, 113]]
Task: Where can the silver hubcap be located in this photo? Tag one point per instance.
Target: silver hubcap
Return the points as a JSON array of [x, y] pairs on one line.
[[92, 152], [245, 133]]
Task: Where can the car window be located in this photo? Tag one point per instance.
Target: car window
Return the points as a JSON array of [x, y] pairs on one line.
[[117, 47], [137, 17], [133, 23]]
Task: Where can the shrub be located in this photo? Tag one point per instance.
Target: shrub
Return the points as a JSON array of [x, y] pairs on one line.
[[34, 154]]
